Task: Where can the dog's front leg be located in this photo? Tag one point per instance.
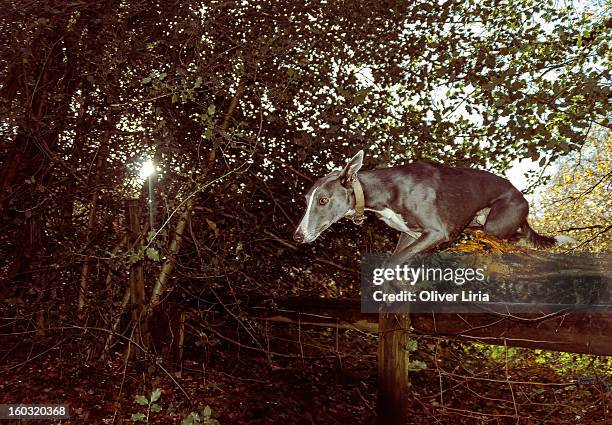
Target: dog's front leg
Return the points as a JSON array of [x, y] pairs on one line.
[[428, 240]]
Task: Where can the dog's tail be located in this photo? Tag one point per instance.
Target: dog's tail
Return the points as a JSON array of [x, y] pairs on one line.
[[542, 241]]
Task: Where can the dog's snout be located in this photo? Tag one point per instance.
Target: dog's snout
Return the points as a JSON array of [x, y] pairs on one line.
[[298, 237]]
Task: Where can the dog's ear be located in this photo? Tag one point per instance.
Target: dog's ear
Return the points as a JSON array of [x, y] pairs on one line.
[[351, 167]]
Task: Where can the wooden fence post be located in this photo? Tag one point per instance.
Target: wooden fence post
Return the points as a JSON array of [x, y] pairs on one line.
[[393, 358]]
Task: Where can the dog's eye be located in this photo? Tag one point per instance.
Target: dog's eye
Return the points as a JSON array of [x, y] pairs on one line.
[[323, 200]]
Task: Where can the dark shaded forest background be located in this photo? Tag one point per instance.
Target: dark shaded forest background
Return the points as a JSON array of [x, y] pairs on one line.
[[240, 104]]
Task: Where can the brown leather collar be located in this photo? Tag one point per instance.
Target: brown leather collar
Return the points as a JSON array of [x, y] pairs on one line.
[[358, 217]]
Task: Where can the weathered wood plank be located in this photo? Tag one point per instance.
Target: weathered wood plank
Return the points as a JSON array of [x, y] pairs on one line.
[[572, 331]]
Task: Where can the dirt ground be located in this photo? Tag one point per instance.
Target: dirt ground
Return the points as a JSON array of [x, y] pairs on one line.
[[317, 376]]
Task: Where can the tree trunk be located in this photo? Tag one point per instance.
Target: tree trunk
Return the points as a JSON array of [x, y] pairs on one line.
[[137, 286], [91, 219], [162, 281]]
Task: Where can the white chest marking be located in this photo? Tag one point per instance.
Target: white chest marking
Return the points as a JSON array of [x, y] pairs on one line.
[[395, 221]]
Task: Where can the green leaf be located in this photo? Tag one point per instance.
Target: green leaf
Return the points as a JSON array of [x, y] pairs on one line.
[[198, 82], [193, 418], [142, 400], [153, 254], [134, 258], [207, 412], [155, 408], [156, 394], [146, 80], [412, 345], [138, 417], [417, 365], [211, 110]]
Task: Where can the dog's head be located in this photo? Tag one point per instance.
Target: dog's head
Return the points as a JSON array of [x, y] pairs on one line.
[[328, 200]]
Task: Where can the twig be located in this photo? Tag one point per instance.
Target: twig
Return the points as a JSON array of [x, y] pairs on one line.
[[318, 259], [250, 347], [598, 234]]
